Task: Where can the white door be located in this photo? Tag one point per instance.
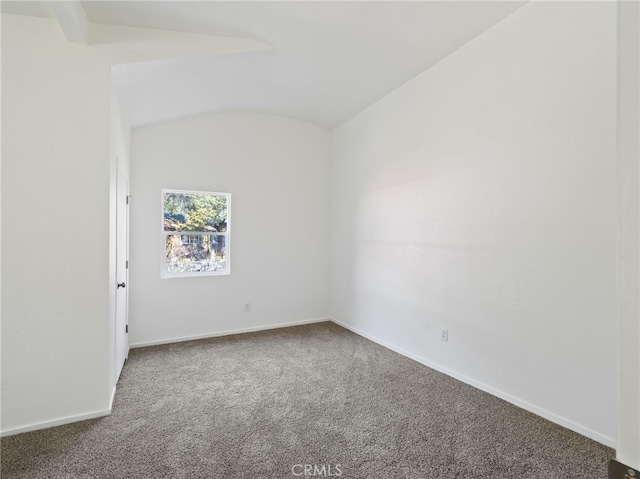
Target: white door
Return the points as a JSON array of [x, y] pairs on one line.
[[122, 273]]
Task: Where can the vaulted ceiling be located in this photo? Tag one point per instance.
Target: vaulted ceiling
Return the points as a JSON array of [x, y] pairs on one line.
[[321, 61]]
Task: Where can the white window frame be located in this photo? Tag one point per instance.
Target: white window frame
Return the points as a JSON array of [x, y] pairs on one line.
[[163, 257]]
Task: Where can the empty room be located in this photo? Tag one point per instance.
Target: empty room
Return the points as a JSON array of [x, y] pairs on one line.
[[360, 239]]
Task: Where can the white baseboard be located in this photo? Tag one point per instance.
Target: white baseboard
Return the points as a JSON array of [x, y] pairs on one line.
[[113, 396], [564, 422], [55, 422], [226, 333]]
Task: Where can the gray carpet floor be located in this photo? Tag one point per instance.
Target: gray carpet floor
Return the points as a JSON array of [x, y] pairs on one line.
[[264, 405]]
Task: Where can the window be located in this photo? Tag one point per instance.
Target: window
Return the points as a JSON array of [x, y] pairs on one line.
[[195, 227]]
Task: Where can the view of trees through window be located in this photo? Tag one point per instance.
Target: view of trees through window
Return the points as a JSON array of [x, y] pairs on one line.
[[195, 229]]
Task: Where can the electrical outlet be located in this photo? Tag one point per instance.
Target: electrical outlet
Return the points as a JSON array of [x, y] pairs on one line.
[[247, 307], [444, 335]]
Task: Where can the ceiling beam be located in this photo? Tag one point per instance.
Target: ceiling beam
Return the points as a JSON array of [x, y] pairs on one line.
[[72, 19]]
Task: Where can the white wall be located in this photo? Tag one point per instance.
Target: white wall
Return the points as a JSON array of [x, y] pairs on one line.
[[629, 156], [55, 203], [277, 172], [57, 310], [481, 198]]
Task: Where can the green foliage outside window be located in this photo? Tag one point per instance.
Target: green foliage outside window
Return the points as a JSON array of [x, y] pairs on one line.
[[195, 226], [195, 212]]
